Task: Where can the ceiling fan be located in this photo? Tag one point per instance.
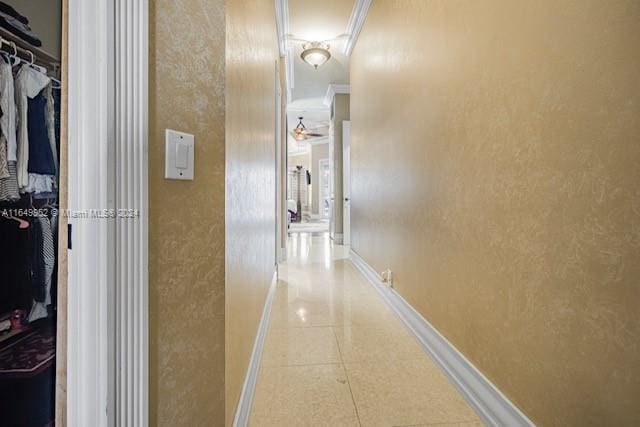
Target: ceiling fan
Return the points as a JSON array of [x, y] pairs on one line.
[[300, 133]]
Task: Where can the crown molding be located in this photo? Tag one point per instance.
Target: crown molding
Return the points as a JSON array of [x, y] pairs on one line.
[[334, 89], [356, 21], [282, 25], [286, 51]]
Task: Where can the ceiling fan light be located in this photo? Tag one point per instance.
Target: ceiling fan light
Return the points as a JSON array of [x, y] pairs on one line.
[[315, 54]]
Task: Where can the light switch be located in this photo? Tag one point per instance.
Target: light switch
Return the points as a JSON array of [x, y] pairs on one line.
[[179, 152], [182, 155]]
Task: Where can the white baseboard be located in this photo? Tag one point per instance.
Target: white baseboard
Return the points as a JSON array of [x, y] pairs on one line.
[[243, 410], [491, 405]]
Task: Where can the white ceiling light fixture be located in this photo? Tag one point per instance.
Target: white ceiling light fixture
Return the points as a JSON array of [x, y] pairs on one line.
[[315, 53]]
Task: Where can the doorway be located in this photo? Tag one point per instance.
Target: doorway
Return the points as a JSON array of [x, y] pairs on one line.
[[346, 181], [307, 172], [325, 189], [32, 183]]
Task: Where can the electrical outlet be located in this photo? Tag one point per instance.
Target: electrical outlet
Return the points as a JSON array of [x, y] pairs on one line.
[[387, 277]]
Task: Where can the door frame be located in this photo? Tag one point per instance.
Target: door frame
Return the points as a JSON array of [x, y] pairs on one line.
[[278, 165], [326, 161], [105, 53], [346, 182]]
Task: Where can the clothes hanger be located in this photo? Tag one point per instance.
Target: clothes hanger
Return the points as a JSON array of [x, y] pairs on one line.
[[32, 64], [16, 58], [12, 59], [22, 224]]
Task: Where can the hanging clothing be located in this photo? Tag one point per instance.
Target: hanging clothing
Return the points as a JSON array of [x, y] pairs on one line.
[[8, 107], [50, 117], [4, 164], [28, 84], [46, 260], [40, 184], [57, 99], [9, 186], [53, 292], [43, 151], [41, 160], [15, 292]]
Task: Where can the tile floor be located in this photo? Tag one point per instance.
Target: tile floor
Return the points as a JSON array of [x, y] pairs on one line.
[[335, 355]]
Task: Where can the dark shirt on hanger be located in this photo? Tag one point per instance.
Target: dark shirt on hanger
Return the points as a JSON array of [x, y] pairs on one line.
[[40, 155]]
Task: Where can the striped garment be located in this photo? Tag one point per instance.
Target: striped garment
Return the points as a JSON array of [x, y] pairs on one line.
[[4, 165], [9, 186]]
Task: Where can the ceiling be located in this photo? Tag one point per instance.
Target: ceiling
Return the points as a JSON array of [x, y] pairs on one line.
[[316, 20]]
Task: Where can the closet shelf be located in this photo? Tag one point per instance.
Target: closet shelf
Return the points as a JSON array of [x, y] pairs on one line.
[[42, 56]]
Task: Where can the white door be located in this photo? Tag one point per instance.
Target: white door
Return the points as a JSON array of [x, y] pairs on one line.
[[325, 190], [346, 181]]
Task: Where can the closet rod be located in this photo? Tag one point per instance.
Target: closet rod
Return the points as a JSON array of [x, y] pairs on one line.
[[12, 44]]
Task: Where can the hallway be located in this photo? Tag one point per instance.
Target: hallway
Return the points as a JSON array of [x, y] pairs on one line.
[[336, 355]]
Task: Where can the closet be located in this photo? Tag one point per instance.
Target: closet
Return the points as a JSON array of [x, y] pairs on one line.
[[30, 215]]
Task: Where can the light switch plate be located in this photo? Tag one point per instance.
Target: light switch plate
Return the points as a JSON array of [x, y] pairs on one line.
[[179, 151]]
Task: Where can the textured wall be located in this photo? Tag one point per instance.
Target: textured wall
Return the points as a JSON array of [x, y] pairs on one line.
[[496, 164], [186, 218], [251, 53]]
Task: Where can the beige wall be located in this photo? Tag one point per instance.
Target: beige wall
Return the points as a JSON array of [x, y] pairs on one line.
[[498, 143], [186, 218], [45, 19], [303, 159], [252, 54], [340, 112], [318, 152]]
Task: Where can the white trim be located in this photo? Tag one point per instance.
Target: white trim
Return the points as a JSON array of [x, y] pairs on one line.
[[334, 89], [286, 51], [289, 74], [131, 295], [356, 22], [107, 288], [491, 405], [90, 186], [338, 238], [243, 410], [282, 24]]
